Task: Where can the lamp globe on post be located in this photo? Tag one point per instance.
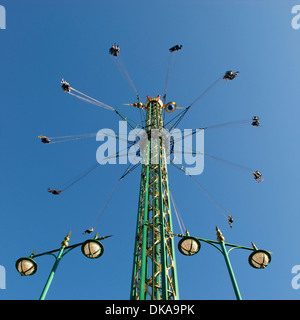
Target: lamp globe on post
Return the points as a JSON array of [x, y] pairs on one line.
[[188, 245], [259, 259], [26, 266], [92, 249]]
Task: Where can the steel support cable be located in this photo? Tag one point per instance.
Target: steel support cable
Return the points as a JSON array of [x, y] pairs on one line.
[[84, 136], [210, 156], [163, 116], [227, 124], [125, 119], [217, 204], [143, 117], [167, 77], [214, 127], [98, 103], [52, 142], [178, 216], [90, 97], [127, 171], [92, 101], [76, 179], [71, 138], [206, 91], [183, 113], [179, 116], [220, 160], [213, 200], [121, 66], [106, 204], [81, 176]]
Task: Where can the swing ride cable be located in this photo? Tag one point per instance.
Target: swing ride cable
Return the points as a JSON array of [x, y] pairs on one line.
[[183, 113], [76, 179], [52, 142], [121, 66], [106, 204], [81, 176], [179, 116], [227, 124], [213, 200], [98, 103], [91, 100], [127, 171], [211, 156], [206, 91], [125, 119], [118, 154], [143, 117], [221, 160], [84, 136], [211, 127], [73, 136], [71, 139], [178, 216], [170, 61], [167, 77]]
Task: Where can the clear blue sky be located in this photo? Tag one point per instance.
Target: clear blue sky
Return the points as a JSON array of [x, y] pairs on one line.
[[47, 41]]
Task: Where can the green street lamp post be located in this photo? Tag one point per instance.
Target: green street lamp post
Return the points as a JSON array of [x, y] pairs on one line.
[[91, 248], [258, 259]]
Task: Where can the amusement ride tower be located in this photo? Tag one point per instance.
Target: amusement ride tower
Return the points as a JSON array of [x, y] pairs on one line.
[[154, 273]]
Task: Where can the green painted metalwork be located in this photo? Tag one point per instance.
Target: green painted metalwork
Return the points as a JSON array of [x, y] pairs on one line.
[[154, 275], [62, 251], [221, 245], [52, 273], [230, 271]]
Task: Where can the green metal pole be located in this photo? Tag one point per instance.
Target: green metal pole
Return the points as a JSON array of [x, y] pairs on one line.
[[144, 247], [135, 257], [50, 278], [231, 274], [162, 231], [142, 293], [176, 297]]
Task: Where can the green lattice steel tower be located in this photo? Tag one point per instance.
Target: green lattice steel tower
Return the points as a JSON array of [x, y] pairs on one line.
[[154, 275]]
